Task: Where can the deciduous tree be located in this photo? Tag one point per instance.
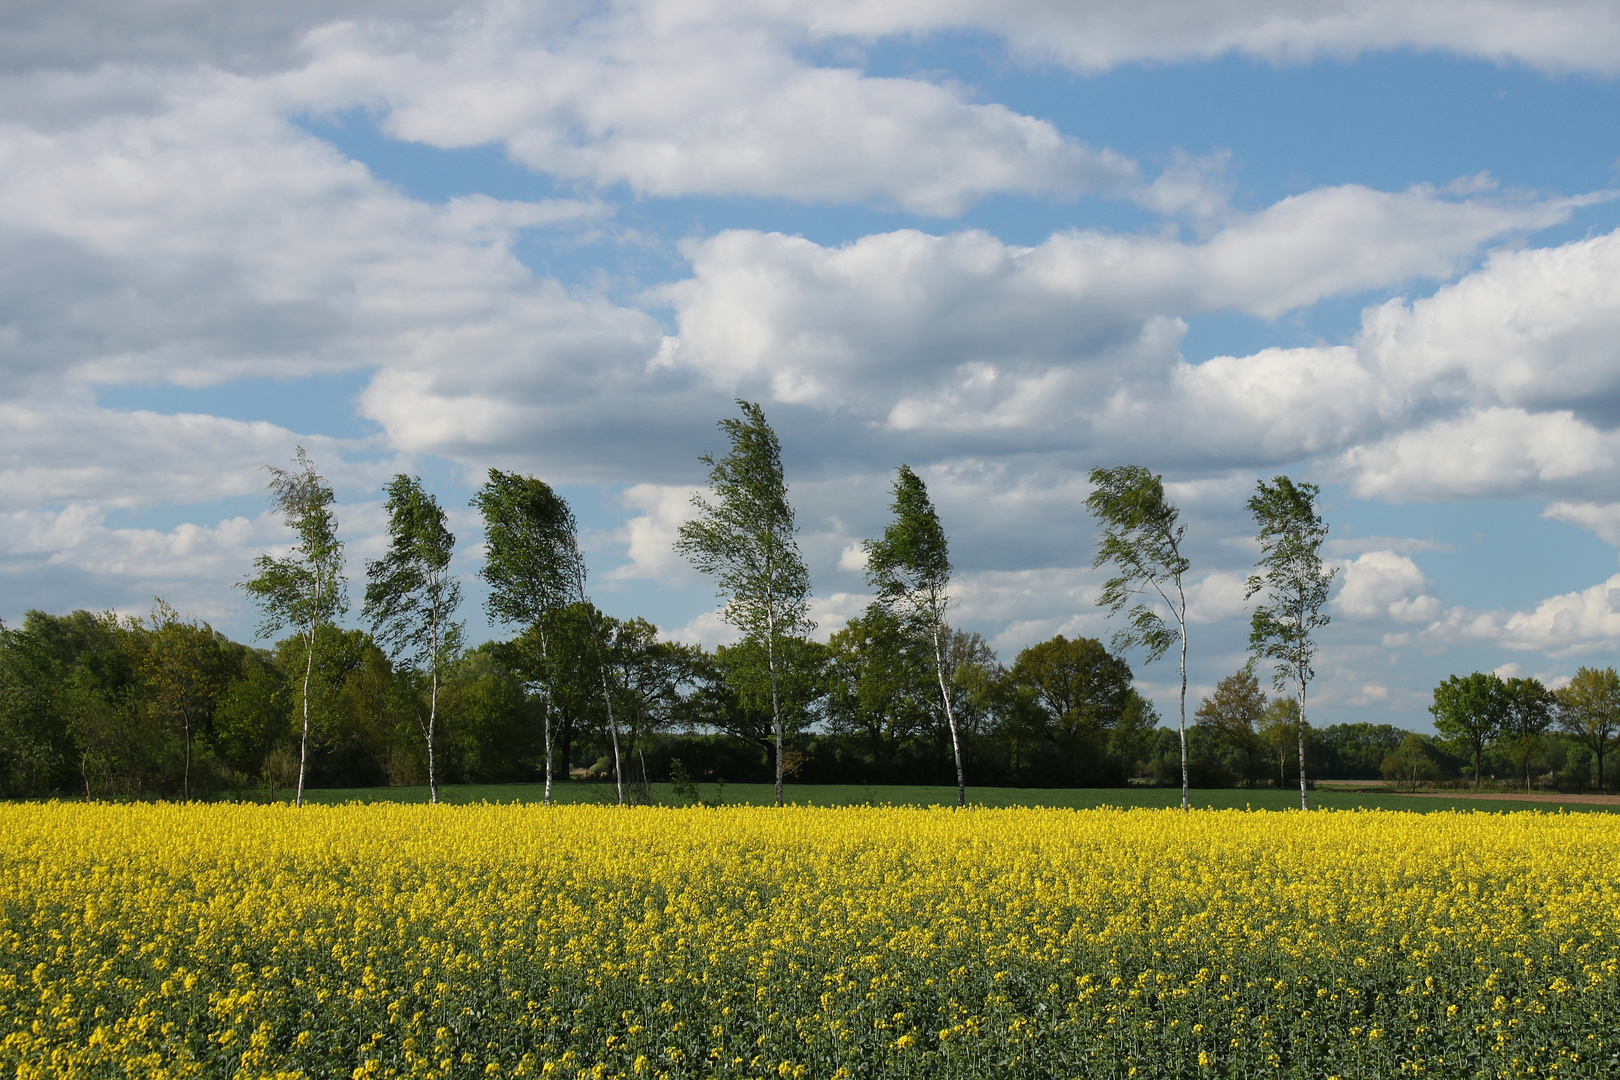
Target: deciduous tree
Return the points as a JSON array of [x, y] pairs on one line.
[[411, 596], [1530, 712], [1141, 536], [1589, 711], [1232, 714], [184, 669], [1471, 710], [744, 536], [532, 564], [305, 588], [1296, 586], [910, 568]]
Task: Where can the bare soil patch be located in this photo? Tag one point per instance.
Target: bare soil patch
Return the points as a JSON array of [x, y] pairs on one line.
[[1510, 796]]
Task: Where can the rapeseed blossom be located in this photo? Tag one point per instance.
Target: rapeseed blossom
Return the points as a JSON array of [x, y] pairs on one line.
[[581, 941]]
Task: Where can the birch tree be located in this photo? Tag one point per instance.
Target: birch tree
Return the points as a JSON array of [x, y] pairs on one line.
[[305, 588], [1296, 586], [1141, 537], [743, 536], [910, 568], [411, 596], [530, 556]]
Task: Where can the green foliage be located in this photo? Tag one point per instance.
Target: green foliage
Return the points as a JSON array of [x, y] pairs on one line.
[[531, 558], [411, 596], [910, 568], [1292, 577], [1471, 711], [910, 564], [1232, 716], [306, 587], [1141, 536], [1296, 587], [1589, 712], [1072, 694], [744, 537], [1410, 763]]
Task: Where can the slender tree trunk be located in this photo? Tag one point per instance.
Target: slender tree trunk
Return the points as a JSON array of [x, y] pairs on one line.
[[185, 784], [607, 694], [545, 708], [1185, 802], [950, 715], [613, 731], [546, 714], [1304, 802], [433, 716], [303, 742], [776, 703]]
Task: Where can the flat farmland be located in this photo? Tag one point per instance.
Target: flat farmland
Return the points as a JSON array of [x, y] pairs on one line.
[[587, 941]]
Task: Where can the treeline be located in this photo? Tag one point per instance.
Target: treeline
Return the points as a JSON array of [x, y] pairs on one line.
[[1487, 727], [111, 707]]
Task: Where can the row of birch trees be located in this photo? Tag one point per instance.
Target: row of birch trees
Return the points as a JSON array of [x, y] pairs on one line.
[[744, 535]]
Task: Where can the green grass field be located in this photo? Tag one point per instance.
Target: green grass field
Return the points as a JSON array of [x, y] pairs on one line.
[[858, 795]]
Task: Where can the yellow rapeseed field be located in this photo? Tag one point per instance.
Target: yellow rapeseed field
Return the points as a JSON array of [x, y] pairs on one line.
[[583, 941]]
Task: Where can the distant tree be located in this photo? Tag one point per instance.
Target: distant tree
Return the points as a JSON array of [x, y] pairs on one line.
[[1080, 691], [411, 596], [1530, 711], [743, 704], [648, 675], [185, 671], [1296, 587], [910, 568], [304, 589], [1471, 711], [533, 566], [1410, 762], [1232, 714], [1589, 712], [745, 539], [878, 692], [1278, 732], [1142, 537]]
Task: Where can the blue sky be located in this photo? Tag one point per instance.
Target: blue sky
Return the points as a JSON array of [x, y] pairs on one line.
[[1361, 244]]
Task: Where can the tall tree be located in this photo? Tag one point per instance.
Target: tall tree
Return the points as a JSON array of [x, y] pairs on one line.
[[1471, 711], [1141, 536], [744, 537], [531, 563], [1296, 586], [1589, 711], [910, 567], [411, 596], [305, 588], [1530, 711]]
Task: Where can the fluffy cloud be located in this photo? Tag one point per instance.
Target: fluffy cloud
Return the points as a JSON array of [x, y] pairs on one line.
[[1570, 624], [965, 335], [1384, 585]]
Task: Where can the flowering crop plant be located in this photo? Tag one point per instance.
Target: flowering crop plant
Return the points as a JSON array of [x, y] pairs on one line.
[[587, 941]]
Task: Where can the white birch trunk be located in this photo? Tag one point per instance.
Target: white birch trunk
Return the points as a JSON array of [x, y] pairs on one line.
[[303, 742], [950, 714]]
